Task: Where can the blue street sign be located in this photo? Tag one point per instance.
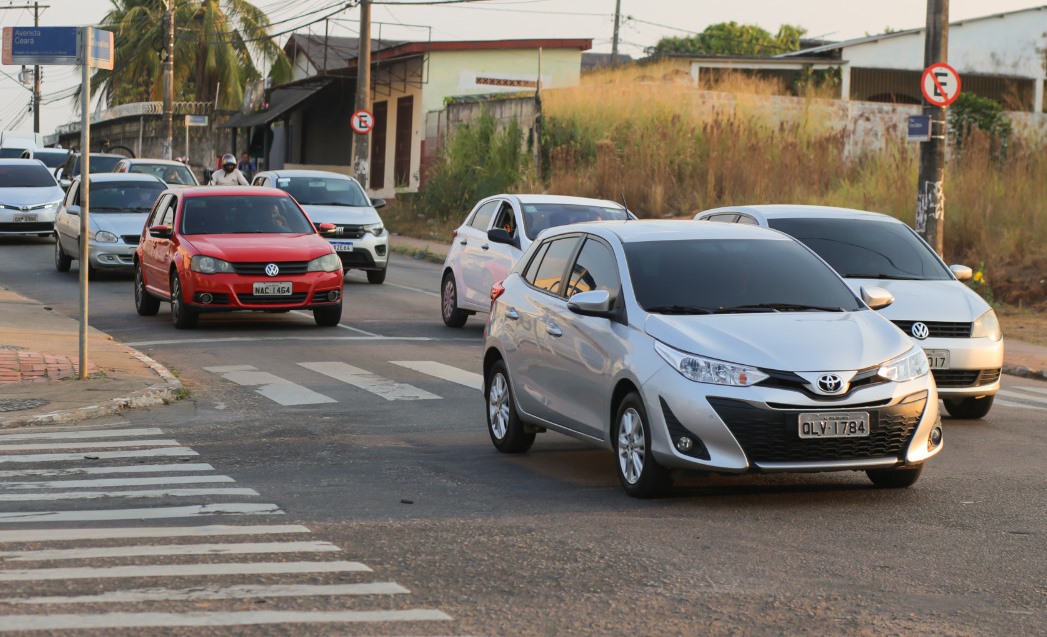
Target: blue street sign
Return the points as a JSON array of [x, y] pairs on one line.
[[919, 128], [102, 49], [40, 45]]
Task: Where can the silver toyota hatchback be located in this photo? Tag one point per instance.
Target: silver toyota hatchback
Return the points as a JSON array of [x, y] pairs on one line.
[[709, 347]]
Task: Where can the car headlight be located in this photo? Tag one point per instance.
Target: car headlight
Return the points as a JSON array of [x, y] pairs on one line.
[[104, 236], [375, 228], [708, 370], [326, 263], [53, 205], [210, 265], [910, 365], [987, 326]]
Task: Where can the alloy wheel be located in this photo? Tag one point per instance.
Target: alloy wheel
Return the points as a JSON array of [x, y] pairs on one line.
[[498, 406], [632, 447]]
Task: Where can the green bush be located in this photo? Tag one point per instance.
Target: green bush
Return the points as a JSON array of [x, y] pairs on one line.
[[969, 112]]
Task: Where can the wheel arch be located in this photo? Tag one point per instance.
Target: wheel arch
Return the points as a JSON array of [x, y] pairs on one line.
[[622, 388]]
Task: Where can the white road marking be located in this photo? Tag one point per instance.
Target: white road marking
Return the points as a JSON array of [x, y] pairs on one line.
[[272, 387], [160, 513], [99, 455], [419, 290], [176, 570], [241, 548], [363, 379], [135, 468], [112, 444], [40, 496], [444, 372], [113, 482], [1021, 401], [230, 592], [1035, 390], [97, 433], [120, 533], [209, 619], [260, 339]]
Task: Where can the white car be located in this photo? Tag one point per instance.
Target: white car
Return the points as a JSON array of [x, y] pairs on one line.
[[956, 328], [29, 198], [173, 173], [497, 231]]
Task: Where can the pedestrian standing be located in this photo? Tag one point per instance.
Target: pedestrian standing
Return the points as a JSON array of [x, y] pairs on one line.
[[247, 167]]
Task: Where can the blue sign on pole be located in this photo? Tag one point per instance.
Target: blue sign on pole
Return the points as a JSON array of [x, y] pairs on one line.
[[919, 128], [41, 45], [102, 49]]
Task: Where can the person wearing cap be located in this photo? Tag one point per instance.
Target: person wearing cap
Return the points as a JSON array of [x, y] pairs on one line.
[[228, 175]]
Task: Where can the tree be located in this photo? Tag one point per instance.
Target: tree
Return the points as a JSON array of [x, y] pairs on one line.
[[216, 45], [731, 38]]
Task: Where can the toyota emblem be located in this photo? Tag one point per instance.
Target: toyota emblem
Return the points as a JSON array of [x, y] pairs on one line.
[[272, 269], [830, 383], [920, 330]]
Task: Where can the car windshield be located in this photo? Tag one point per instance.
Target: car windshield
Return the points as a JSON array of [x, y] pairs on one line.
[[704, 276], [99, 164], [51, 158], [323, 191], [243, 214], [178, 175], [25, 176], [867, 249], [11, 153], [124, 196], [540, 216]]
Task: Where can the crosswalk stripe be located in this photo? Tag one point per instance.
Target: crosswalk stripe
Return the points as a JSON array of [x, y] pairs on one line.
[[230, 592], [99, 455], [96, 433], [240, 548], [112, 444], [272, 387], [363, 379], [135, 468], [41, 496], [1035, 390], [177, 570], [159, 513], [113, 482], [1019, 404], [210, 619], [118, 533], [444, 372]]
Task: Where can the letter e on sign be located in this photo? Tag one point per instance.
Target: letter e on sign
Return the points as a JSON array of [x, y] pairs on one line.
[[362, 122], [940, 84]]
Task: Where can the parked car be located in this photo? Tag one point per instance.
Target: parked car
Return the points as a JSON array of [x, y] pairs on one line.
[[51, 157], [29, 198], [703, 346], [955, 326], [119, 205], [360, 239], [219, 249], [173, 173], [497, 231], [70, 170], [13, 142]]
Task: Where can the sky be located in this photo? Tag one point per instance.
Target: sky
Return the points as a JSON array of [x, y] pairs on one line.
[[644, 22]]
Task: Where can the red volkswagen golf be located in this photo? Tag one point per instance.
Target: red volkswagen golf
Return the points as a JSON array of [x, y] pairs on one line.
[[212, 249]]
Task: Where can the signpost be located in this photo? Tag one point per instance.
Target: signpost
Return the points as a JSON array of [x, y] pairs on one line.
[[362, 122], [89, 48], [192, 120]]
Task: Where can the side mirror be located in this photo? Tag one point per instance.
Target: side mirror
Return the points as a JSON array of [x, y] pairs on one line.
[[327, 229], [73, 210], [160, 232], [378, 203], [877, 298], [591, 303], [65, 183], [500, 235], [961, 272]]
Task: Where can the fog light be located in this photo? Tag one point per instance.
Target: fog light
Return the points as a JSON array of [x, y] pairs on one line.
[[205, 298], [684, 444], [333, 295], [936, 436]]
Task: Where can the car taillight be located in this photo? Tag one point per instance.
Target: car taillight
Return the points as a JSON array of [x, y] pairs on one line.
[[496, 291]]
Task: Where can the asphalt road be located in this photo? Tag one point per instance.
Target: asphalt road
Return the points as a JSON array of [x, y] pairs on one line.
[[372, 436]]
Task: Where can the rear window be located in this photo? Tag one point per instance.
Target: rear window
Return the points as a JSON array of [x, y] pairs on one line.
[[126, 196], [244, 215], [323, 191], [540, 216], [51, 158], [170, 173], [25, 176], [99, 164]]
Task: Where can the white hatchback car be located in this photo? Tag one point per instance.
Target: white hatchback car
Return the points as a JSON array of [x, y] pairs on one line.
[[497, 231], [955, 326]]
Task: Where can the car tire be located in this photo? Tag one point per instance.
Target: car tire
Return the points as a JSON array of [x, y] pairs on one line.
[[452, 316], [508, 432], [376, 277], [62, 260], [968, 408], [145, 303], [183, 316], [638, 471], [895, 478], [328, 316]]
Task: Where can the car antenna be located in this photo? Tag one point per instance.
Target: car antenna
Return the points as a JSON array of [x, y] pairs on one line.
[[625, 203]]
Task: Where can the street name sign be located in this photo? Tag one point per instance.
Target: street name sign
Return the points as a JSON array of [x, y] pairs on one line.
[[196, 120], [940, 84], [919, 128], [56, 46], [362, 122]]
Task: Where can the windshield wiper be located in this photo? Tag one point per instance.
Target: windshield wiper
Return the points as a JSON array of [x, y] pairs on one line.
[[890, 277], [777, 307], [679, 309], [107, 209]]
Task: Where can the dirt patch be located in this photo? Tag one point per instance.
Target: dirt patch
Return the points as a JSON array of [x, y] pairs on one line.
[[1023, 325], [1022, 285]]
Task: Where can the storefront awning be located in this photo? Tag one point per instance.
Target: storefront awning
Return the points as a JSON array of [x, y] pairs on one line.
[[281, 101]]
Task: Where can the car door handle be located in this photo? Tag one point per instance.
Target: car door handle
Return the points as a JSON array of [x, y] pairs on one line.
[[485, 246], [464, 242], [553, 330], [512, 314]]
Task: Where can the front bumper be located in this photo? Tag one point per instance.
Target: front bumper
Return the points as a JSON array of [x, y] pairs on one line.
[[231, 292], [368, 251], [14, 223], [974, 366], [111, 256]]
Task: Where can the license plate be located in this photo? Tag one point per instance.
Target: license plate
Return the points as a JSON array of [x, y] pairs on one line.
[[24, 218], [272, 288], [342, 246], [835, 425], [937, 358]]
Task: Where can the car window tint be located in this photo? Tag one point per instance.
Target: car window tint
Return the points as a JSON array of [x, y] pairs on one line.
[[124, 196], [170, 173], [482, 219], [747, 220], [538, 217], [723, 217], [595, 269], [158, 210], [730, 273], [549, 274], [25, 176], [506, 219], [244, 215], [324, 191], [51, 159], [536, 260], [866, 248], [167, 217]]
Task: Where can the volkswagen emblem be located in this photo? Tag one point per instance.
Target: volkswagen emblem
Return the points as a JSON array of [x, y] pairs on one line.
[[272, 269], [830, 383], [919, 330]]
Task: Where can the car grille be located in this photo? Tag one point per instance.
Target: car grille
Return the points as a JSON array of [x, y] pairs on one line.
[[254, 299], [38, 226], [792, 381], [769, 435], [131, 239], [356, 259], [938, 329], [965, 377], [346, 231], [258, 269], [676, 430]]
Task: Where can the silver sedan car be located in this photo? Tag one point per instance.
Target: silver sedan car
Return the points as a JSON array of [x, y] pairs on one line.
[[709, 347]]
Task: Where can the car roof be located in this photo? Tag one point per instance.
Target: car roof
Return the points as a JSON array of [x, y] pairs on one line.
[[146, 160], [229, 191], [105, 177], [305, 173], [18, 161], [78, 153], [669, 230], [793, 211], [561, 199]]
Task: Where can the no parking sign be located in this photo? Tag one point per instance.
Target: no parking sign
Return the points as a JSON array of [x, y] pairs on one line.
[[940, 84], [362, 122]]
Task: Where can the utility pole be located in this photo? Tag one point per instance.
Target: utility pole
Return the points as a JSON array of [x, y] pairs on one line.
[[36, 76], [361, 145], [614, 42], [930, 196], [168, 116]]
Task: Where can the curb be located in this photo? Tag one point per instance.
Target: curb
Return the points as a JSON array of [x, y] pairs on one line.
[[421, 255], [1024, 372]]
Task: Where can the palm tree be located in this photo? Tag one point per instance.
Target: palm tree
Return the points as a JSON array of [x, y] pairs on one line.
[[216, 45]]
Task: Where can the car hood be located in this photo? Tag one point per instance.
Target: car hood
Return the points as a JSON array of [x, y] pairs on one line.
[[31, 196], [355, 215], [927, 300], [788, 341], [119, 222], [260, 247]]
